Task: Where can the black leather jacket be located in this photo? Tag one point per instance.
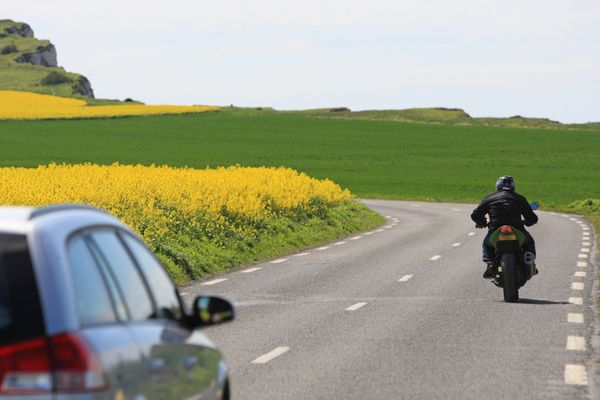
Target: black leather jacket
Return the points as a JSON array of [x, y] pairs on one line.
[[504, 208]]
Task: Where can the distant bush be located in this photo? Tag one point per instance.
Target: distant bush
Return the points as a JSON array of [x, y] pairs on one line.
[[55, 78], [8, 49], [128, 100]]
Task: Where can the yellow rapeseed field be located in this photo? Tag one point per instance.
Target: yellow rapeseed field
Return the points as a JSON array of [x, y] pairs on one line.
[[159, 200], [23, 105]]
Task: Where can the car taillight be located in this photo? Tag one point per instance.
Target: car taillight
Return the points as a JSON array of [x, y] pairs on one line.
[[506, 229], [25, 368], [61, 363]]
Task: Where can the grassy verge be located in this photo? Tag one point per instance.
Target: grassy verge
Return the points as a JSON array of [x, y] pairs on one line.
[[187, 258]]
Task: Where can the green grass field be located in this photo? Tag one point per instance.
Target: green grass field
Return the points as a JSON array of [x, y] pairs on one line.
[[384, 159]]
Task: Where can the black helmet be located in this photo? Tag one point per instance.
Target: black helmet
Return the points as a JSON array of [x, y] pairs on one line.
[[505, 183]]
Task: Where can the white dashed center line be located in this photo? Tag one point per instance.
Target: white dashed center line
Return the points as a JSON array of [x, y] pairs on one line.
[[270, 355], [455, 244], [301, 254], [247, 271], [415, 205], [575, 374], [405, 278], [577, 285], [471, 233], [575, 318], [455, 209], [581, 274], [323, 248], [214, 282], [435, 258], [576, 300], [581, 264], [356, 306], [279, 261], [575, 343]]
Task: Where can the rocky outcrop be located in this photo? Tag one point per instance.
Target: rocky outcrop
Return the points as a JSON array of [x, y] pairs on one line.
[[83, 87], [44, 55], [23, 30]]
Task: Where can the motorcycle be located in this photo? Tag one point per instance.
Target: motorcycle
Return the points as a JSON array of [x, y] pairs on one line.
[[514, 266]]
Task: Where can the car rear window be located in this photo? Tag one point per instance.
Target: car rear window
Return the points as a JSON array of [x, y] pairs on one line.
[[20, 313]]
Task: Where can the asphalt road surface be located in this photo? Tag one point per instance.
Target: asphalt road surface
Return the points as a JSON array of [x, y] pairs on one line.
[[402, 312]]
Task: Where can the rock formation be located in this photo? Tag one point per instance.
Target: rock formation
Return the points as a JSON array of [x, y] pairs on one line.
[[43, 55]]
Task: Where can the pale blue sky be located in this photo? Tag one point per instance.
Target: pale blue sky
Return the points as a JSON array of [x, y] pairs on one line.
[[492, 58]]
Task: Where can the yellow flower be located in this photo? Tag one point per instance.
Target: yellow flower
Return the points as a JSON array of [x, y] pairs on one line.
[[23, 105], [160, 200]]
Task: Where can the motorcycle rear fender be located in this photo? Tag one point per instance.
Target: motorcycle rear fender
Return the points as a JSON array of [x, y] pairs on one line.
[[515, 241]]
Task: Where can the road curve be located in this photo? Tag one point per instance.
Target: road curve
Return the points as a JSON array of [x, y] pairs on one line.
[[402, 312]]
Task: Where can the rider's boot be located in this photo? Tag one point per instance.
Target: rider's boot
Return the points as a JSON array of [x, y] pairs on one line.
[[490, 271]]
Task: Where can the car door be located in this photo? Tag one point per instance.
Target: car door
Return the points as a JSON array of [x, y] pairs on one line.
[[173, 369], [196, 360], [102, 320]]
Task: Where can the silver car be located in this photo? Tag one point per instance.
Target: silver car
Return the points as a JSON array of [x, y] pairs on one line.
[[87, 312]]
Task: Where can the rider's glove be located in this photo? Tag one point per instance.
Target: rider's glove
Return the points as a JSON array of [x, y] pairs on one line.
[[481, 226]]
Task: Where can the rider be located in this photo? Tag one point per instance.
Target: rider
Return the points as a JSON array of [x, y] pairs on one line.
[[504, 207]]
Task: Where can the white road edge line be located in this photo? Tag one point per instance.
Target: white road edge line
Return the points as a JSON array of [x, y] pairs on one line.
[[580, 274], [279, 261], [356, 306], [355, 238], [405, 278], [583, 255], [586, 244], [577, 285], [214, 282], [247, 271], [575, 318], [323, 248], [339, 243], [585, 250], [435, 258], [301, 254], [576, 300], [575, 374], [581, 264], [265, 358], [575, 343]]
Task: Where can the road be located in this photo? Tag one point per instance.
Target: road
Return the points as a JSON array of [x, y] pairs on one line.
[[402, 312]]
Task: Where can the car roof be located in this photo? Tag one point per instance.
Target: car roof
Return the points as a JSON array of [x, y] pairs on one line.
[[18, 219]]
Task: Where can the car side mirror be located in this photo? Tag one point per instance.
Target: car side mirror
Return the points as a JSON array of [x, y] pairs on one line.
[[534, 206], [208, 310]]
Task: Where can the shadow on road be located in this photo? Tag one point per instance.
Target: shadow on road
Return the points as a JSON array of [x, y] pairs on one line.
[[541, 302]]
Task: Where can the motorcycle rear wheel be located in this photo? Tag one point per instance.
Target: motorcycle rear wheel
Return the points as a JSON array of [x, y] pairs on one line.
[[510, 279]]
